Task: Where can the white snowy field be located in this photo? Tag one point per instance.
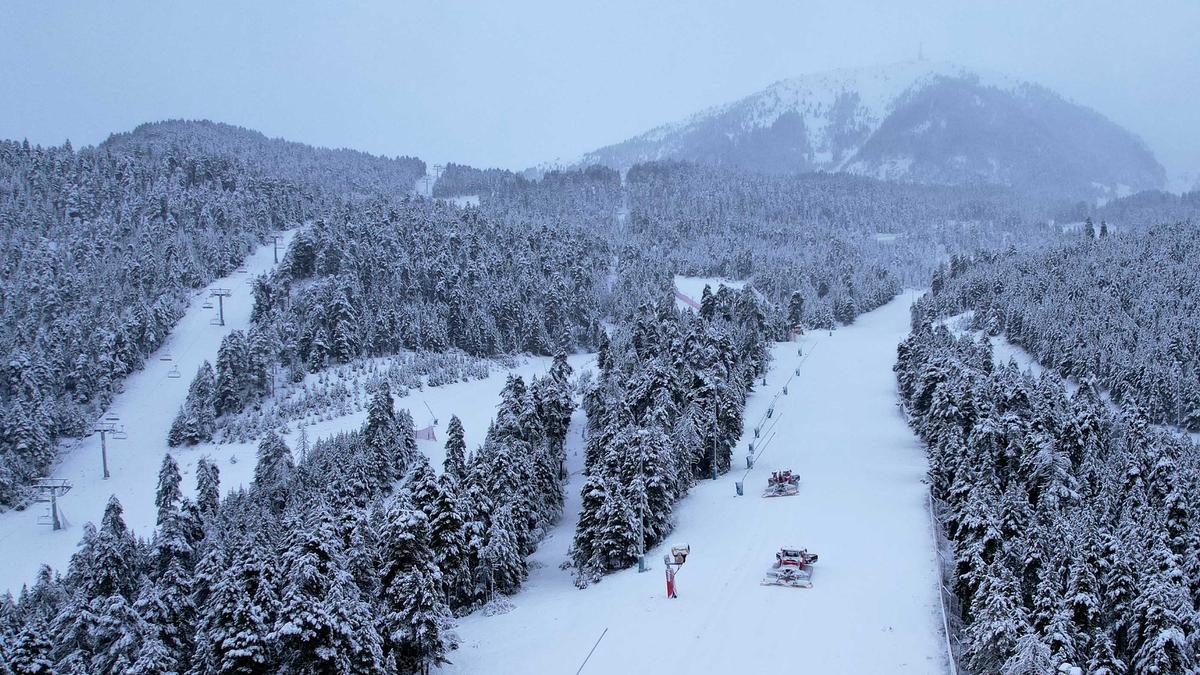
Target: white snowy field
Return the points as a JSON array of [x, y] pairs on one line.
[[693, 288], [474, 402], [861, 507], [146, 408]]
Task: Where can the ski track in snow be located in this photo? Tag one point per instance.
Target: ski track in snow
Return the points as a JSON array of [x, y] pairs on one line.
[[146, 406], [861, 507]]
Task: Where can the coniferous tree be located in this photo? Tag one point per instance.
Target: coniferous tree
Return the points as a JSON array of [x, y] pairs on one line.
[[456, 449], [416, 623], [323, 624]]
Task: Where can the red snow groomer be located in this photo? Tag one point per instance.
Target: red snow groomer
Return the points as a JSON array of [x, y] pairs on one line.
[[782, 484], [793, 567]]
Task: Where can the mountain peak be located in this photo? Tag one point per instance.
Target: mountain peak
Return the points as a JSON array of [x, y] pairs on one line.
[[926, 121]]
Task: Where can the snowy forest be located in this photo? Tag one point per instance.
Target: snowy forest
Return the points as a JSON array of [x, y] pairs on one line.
[[665, 410], [1119, 309], [1073, 522], [1065, 503], [351, 559]]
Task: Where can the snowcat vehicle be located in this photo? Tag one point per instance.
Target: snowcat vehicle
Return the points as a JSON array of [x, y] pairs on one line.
[[782, 484], [793, 568]]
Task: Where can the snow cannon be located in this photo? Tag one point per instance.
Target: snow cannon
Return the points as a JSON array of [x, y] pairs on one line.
[[782, 484], [792, 568], [679, 554]]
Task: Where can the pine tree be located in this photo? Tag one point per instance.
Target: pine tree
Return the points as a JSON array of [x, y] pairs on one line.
[[616, 543], [274, 470], [168, 495], [406, 450], [383, 437], [238, 613], [999, 621], [324, 624], [456, 449], [416, 623], [30, 651], [447, 540], [502, 558], [1032, 657], [208, 488]]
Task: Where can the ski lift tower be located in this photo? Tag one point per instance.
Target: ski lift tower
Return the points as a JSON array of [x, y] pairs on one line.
[[107, 426], [220, 294], [49, 490]]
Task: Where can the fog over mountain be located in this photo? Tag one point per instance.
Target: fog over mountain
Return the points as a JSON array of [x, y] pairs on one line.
[[913, 121], [518, 84]]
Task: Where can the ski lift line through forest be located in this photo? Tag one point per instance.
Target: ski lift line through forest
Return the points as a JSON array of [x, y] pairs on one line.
[[593, 651], [786, 383], [937, 556], [754, 461], [770, 429]]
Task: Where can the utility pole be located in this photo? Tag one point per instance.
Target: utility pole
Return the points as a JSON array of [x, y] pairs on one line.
[[108, 426], [220, 294], [716, 429], [642, 510], [275, 241]]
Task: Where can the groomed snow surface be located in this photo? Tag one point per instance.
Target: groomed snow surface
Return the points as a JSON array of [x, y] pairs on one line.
[[861, 507], [146, 407]]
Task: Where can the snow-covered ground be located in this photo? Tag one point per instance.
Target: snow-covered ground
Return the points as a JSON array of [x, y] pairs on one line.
[[146, 408], [423, 187], [474, 402], [693, 288], [149, 403], [861, 507]]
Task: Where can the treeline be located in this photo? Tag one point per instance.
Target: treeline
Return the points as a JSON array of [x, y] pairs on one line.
[[664, 411], [99, 248], [460, 179], [1073, 525], [352, 560], [1139, 210], [420, 275], [330, 172], [1122, 308], [587, 198], [847, 244]]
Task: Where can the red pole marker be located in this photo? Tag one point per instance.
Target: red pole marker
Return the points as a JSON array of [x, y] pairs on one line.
[[671, 582]]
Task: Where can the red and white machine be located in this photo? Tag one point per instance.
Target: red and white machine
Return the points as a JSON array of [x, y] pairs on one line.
[[793, 567], [673, 563], [782, 484]]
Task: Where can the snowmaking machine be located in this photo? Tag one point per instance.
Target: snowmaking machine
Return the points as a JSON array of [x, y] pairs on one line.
[[782, 484], [793, 567]]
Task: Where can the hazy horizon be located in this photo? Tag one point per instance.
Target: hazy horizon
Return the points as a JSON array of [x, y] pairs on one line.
[[521, 84]]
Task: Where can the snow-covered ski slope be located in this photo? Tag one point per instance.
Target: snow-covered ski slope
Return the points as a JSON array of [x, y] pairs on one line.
[[146, 407], [861, 507]]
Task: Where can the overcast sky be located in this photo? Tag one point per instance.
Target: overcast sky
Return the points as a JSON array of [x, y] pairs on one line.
[[517, 83]]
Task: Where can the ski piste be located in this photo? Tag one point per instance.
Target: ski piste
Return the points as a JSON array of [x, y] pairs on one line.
[[863, 497]]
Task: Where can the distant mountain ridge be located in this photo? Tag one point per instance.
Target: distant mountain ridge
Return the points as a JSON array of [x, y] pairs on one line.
[[335, 170], [916, 121]]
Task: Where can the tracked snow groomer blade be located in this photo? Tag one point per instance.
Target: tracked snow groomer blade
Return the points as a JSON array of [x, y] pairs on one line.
[[793, 567], [781, 490], [789, 576], [782, 484]]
